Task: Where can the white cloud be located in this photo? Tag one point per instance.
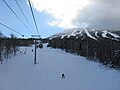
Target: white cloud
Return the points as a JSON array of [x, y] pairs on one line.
[[81, 13], [63, 11], [102, 14]]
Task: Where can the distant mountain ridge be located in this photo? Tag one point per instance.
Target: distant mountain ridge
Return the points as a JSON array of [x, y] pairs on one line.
[[95, 44], [82, 33]]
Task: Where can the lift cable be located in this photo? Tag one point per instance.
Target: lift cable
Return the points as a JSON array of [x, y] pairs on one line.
[[23, 13], [16, 15], [33, 17], [11, 29]]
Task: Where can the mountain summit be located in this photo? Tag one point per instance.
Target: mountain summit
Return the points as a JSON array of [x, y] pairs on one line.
[[83, 33]]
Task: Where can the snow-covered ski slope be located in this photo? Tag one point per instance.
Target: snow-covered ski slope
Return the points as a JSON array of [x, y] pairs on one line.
[[19, 73], [83, 33]]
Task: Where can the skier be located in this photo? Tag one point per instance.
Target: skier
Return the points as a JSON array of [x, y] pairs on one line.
[[63, 75]]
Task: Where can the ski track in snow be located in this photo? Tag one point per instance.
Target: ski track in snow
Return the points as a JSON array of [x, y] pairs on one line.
[[104, 34], [114, 35], [88, 34], [19, 73], [71, 34], [96, 34]]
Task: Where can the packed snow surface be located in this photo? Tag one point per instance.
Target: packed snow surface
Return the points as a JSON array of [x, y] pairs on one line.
[[19, 72], [114, 35], [88, 34]]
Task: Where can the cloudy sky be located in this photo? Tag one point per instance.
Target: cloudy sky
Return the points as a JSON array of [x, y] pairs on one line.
[[54, 16]]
